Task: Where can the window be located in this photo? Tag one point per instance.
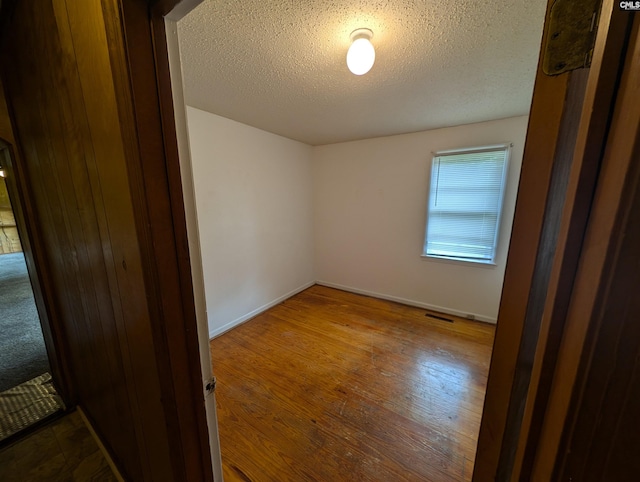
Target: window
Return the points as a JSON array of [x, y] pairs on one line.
[[465, 202]]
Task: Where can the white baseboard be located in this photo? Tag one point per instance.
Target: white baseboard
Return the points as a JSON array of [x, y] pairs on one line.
[[238, 321], [404, 301], [442, 309]]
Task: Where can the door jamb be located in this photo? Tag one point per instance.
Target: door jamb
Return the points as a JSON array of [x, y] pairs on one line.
[[177, 145], [542, 135]]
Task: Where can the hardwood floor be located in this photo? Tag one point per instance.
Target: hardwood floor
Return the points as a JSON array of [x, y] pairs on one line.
[[62, 451], [331, 386]]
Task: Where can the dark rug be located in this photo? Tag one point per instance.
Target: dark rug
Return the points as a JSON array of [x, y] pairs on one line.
[[22, 352]]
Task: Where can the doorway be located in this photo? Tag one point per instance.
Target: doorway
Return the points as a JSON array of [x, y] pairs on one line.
[[27, 392], [188, 180]]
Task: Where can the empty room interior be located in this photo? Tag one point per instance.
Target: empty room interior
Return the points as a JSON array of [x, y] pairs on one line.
[[322, 241], [354, 228]]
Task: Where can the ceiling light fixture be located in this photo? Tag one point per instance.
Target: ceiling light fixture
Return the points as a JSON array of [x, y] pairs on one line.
[[361, 54]]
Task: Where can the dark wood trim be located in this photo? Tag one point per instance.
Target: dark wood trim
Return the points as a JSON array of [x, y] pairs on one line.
[[156, 184], [178, 199], [88, 118], [180, 228], [586, 159], [586, 421], [577, 117], [542, 272], [541, 145]]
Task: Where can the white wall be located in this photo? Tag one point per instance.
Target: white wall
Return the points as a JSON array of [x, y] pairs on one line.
[[253, 195], [370, 201], [275, 215]]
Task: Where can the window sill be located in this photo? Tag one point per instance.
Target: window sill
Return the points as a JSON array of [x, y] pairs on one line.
[[442, 259]]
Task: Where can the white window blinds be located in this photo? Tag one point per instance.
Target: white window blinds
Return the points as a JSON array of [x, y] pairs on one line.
[[465, 201]]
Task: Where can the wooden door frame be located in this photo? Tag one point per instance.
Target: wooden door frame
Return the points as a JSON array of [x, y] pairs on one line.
[[516, 327], [545, 120], [584, 327], [160, 225], [526, 347], [157, 182], [588, 157], [164, 17]]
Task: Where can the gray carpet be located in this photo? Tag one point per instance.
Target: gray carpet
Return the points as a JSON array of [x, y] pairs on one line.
[[22, 352]]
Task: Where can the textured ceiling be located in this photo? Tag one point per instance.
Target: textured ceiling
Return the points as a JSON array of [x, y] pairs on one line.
[[280, 65]]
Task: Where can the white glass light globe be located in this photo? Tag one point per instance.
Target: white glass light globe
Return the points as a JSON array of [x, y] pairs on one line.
[[361, 56]]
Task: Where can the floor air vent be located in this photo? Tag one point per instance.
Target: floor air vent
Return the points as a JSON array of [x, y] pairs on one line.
[[441, 318]]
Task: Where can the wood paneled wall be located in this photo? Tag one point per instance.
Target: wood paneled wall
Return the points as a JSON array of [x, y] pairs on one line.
[[87, 133]]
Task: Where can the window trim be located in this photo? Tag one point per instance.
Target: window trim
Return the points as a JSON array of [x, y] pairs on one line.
[[507, 147]]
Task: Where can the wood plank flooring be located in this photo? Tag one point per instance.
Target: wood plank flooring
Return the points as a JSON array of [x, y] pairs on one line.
[[61, 451], [331, 386]]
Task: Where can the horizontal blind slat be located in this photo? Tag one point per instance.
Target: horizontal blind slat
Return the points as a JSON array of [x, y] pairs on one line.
[[464, 204]]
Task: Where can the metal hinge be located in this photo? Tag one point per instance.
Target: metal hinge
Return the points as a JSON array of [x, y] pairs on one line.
[[210, 387], [572, 28]]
